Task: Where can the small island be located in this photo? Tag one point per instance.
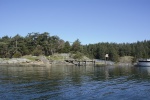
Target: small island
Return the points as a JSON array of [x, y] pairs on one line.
[[42, 49]]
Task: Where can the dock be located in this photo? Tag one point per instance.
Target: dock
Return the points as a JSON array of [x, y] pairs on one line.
[[80, 62]]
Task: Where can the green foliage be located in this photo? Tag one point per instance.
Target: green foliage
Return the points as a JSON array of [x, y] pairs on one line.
[[113, 55], [76, 46], [17, 55], [78, 55], [37, 51], [67, 47], [44, 44]]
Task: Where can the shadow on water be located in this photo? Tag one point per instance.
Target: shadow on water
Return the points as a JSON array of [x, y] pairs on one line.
[[142, 72], [73, 82], [111, 72]]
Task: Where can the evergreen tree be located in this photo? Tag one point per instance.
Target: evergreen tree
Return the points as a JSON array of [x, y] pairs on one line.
[[76, 46], [67, 47], [42, 43], [113, 55]]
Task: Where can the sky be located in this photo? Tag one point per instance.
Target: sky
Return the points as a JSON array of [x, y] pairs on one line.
[[90, 21]]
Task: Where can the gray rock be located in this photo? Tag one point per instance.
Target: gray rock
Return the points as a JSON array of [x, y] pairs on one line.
[[14, 61]]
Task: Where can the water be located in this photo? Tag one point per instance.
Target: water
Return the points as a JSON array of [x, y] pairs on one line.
[[74, 83]]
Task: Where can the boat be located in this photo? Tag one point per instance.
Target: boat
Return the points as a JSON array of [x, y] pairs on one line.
[[143, 62]]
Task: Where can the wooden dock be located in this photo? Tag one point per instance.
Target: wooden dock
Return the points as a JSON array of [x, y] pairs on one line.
[[80, 62]]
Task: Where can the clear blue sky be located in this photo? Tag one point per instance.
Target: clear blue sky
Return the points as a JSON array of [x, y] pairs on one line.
[[90, 21]]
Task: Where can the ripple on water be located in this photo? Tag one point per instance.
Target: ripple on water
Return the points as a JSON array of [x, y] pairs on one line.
[[77, 83]]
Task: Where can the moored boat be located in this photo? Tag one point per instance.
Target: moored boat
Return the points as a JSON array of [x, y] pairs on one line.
[[143, 62]]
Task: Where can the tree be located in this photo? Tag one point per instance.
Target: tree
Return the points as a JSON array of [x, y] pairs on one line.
[[3, 50], [113, 55], [17, 55], [76, 46], [37, 51], [78, 55], [42, 43], [67, 47]]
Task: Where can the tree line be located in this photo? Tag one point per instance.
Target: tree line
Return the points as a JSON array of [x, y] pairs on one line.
[[43, 44]]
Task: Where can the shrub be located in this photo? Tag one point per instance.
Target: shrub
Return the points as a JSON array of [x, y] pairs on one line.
[[78, 55], [17, 55], [37, 51]]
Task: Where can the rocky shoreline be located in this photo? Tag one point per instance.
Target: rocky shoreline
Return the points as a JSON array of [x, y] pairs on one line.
[[19, 61], [26, 62], [43, 61]]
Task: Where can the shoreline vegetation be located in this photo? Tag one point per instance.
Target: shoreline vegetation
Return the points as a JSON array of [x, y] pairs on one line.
[[59, 59], [56, 59], [28, 50]]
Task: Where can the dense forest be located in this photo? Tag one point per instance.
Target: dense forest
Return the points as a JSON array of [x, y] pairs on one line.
[[43, 44]]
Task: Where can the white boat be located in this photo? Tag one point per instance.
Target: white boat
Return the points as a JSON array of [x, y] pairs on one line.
[[144, 62]]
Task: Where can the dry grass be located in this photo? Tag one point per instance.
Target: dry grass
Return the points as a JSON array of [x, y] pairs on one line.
[[126, 59]]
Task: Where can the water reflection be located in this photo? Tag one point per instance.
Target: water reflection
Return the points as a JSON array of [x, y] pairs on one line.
[[109, 72], [145, 70], [68, 82], [72, 73], [143, 73]]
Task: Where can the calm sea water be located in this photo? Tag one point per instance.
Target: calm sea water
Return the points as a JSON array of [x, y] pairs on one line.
[[74, 83]]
